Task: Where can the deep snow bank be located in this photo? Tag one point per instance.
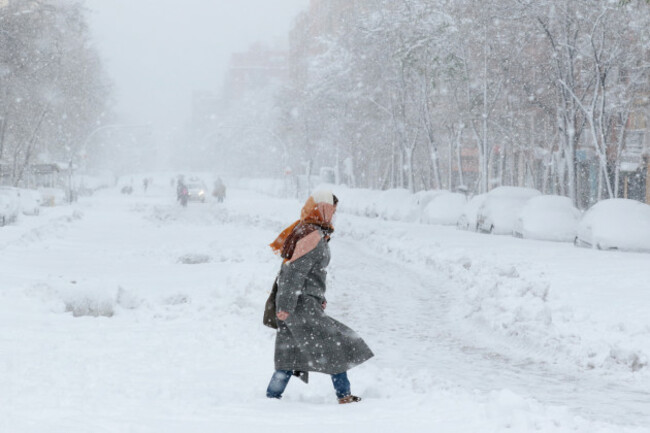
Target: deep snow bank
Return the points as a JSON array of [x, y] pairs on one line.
[[432, 207]]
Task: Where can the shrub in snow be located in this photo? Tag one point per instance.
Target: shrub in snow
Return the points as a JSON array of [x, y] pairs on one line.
[[177, 299], [90, 307], [89, 298], [633, 360], [194, 259]]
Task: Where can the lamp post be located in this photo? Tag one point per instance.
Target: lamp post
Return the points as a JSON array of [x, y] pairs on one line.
[[112, 126], [84, 146], [646, 160], [86, 141]]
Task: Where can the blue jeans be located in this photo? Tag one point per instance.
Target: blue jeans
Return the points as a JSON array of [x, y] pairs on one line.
[[280, 380]]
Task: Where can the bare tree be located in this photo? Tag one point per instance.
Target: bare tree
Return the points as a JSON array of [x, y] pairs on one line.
[[52, 87]]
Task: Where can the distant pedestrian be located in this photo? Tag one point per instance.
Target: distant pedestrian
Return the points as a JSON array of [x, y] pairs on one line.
[[307, 339], [219, 190], [182, 193]]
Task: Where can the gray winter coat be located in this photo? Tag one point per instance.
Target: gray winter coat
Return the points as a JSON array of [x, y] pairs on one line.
[[309, 340]]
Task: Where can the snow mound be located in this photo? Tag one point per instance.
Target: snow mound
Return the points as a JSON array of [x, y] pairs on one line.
[[86, 298]]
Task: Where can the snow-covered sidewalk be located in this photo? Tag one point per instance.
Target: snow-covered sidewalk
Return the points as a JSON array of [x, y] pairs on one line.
[[132, 314]]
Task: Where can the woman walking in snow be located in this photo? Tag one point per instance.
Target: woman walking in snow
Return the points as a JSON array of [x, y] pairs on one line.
[[307, 339]]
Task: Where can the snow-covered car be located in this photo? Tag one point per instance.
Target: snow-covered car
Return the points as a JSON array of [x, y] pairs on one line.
[[395, 205], [497, 215], [420, 200], [30, 201], [467, 218], [549, 218], [615, 224], [197, 191], [9, 205], [52, 196], [444, 208]]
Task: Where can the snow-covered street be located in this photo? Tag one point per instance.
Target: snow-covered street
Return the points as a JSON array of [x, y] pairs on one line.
[[129, 313]]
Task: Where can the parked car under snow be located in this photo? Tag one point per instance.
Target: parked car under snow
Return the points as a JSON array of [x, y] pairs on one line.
[[467, 218], [616, 224], [419, 202], [497, 215], [548, 218], [444, 208], [9, 205], [30, 201], [395, 205]]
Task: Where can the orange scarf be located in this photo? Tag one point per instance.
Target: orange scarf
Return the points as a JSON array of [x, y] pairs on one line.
[[312, 214]]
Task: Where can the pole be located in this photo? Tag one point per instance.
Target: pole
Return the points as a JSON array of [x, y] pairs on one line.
[[86, 141]]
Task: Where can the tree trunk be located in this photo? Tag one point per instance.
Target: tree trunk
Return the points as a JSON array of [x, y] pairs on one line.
[[409, 166], [619, 150], [435, 166]]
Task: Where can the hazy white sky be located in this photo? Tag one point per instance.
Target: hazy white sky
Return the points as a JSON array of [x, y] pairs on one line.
[[158, 51]]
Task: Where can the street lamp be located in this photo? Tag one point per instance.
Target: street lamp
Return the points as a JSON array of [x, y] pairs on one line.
[[84, 146], [112, 126], [86, 141]]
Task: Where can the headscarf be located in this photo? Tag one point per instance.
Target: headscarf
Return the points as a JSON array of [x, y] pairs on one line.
[[316, 214]]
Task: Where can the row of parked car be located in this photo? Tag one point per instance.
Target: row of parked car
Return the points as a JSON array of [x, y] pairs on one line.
[[618, 224], [16, 201]]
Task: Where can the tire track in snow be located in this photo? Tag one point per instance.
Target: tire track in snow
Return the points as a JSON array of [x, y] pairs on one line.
[[398, 306]]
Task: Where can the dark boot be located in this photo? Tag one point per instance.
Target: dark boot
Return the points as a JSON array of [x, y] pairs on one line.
[[349, 399]]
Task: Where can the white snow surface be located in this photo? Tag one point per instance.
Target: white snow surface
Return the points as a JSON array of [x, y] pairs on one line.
[[128, 313]]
